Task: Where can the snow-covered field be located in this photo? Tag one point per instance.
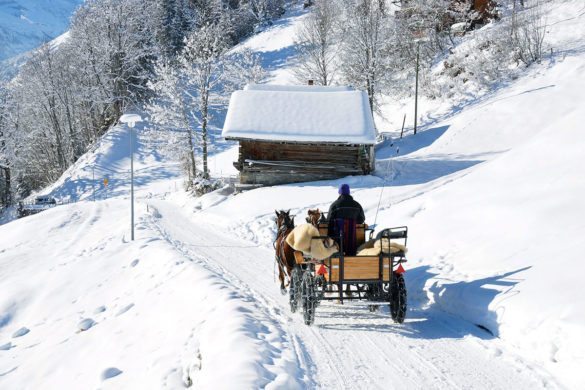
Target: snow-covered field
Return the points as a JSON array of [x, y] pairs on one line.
[[492, 195]]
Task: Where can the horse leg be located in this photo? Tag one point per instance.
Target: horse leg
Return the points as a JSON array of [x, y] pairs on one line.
[[281, 278]]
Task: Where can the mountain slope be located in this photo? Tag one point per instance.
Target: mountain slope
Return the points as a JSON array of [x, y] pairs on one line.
[[25, 24]]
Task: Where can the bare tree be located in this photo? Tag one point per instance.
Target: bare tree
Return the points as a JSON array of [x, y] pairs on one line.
[[316, 44], [366, 37], [528, 32]]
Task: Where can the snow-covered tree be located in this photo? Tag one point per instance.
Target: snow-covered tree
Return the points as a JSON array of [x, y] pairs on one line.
[[528, 30], [70, 94], [202, 62], [5, 172], [266, 10], [366, 35], [316, 43], [170, 112], [241, 68], [173, 20]]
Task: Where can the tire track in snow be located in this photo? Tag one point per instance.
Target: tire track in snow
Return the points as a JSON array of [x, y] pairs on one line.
[[270, 310], [363, 350]]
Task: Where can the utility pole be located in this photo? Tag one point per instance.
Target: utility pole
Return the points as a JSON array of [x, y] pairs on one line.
[[131, 120], [131, 179], [416, 87]]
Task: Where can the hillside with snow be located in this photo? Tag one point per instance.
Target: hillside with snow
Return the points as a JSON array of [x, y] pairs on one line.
[[25, 24], [491, 191]]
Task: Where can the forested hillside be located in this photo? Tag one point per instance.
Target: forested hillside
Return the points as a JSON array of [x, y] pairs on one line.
[[172, 58]]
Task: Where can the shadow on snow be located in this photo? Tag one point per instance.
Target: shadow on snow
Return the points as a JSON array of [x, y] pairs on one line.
[[430, 318]]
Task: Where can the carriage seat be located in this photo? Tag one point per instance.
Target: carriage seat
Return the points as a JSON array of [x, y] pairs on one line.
[[360, 232], [381, 245]]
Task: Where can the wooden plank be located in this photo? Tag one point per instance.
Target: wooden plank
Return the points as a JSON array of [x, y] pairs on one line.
[[268, 178], [359, 268], [333, 268], [283, 162], [356, 268], [276, 152]]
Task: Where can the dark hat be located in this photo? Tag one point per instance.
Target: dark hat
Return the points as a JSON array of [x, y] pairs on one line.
[[344, 189]]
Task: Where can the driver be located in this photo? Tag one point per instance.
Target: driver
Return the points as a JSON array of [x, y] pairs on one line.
[[342, 218]]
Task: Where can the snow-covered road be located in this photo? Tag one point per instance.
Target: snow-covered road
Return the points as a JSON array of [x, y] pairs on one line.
[[349, 347]]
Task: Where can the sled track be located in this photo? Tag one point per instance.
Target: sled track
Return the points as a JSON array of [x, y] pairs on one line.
[[271, 311]]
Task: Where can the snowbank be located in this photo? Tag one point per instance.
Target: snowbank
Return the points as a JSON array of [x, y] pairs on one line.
[[100, 311]]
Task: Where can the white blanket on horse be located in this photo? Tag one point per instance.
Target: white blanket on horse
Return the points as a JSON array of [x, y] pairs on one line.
[[301, 239]]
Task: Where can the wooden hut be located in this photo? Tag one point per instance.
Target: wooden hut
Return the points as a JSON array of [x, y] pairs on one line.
[[291, 134]]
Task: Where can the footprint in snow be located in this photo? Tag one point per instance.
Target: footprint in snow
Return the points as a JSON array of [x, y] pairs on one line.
[[99, 310], [85, 324], [6, 347], [110, 373], [124, 309], [134, 263], [20, 332]]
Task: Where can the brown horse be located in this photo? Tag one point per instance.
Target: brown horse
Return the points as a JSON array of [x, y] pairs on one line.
[[313, 217], [285, 258]]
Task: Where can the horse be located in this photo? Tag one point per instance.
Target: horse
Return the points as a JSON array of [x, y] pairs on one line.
[[284, 253], [315, 217]]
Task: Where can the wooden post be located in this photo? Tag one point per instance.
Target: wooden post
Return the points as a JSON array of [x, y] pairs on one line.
[[402, 131]]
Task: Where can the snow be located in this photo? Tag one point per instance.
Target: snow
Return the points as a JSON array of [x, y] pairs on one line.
[[131, 119], [85, 324], [301, 115], [492, 195], [296, 88], [110, 373], [25, 24], [163, 312], [20, 332]]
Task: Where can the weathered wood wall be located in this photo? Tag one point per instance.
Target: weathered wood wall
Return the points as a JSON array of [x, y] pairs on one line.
[[270, 163]]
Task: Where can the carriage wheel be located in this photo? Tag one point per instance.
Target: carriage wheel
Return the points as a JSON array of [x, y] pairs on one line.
[[398, 298], [319, 289], [295, 288], [308, 297]]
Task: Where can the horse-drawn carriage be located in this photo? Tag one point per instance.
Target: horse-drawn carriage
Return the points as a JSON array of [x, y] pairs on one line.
[[375, 277]]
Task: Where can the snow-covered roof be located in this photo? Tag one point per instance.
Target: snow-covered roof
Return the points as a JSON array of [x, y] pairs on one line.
[[300, 114], [295, 88]]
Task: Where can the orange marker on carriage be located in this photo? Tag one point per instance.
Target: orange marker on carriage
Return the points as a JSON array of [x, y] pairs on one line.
[[400, 269]]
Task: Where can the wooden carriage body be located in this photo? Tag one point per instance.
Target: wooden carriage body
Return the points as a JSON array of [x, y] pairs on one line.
[[357, 277]]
